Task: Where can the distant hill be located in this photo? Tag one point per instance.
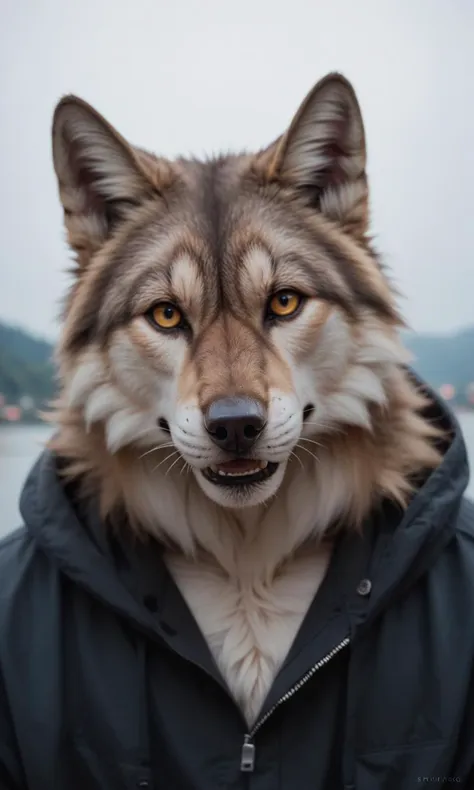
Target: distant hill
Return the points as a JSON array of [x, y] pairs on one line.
[[26, 366], [444, 359]]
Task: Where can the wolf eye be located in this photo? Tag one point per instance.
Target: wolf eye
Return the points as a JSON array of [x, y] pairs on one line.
[[284, 304], [166, 316]]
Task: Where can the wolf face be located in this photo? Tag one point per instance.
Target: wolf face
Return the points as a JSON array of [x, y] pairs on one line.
[[230, 318]]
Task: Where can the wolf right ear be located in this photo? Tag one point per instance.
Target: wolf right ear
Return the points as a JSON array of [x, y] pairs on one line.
[[100, 175], [323, 154]]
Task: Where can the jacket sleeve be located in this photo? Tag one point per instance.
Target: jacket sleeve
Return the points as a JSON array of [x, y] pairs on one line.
[[462, 772], [10, 763]]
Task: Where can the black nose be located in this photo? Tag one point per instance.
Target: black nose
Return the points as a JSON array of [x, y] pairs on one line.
[[235, 423]]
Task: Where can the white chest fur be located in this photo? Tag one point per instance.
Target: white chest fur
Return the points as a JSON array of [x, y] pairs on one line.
[[250, 621]]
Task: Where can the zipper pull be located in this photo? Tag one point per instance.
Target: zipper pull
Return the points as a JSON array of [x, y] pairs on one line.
[[247, 758]]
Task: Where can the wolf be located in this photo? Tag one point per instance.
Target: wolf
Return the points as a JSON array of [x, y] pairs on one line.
[[232, 379]]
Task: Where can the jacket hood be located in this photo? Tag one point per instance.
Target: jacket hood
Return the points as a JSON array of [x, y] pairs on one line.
[[76, 542], [410, 540]]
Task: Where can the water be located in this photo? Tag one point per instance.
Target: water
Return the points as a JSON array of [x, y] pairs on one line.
[[21, 444]]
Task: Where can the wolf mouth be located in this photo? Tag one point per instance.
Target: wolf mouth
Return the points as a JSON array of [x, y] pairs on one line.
[[240, 471]]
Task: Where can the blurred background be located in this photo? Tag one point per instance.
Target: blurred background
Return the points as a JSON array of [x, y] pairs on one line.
[[189, 77]]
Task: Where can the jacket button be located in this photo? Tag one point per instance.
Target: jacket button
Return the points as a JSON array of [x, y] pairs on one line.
[[364, 587]]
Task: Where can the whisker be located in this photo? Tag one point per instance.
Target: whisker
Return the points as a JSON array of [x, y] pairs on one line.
[[311, 441], [298, 459], [158, 447], [326, 427], [309, 452], [173, 464], [186, 466], [176, 452]]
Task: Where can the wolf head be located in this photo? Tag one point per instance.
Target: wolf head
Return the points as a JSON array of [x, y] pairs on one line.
[[230, 318]]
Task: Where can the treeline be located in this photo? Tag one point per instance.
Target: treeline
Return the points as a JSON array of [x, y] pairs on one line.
[[26, 366]]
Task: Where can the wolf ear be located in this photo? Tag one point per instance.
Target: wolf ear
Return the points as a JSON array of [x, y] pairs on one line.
[[323, 154], [100, 175]]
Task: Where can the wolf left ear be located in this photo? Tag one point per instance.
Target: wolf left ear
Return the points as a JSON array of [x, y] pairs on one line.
[[323, 154], [100, 175]]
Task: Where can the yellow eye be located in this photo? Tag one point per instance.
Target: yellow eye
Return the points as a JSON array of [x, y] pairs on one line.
[[166, 315], [283, 304]]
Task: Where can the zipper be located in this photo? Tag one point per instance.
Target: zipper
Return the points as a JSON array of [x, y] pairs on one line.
[[247, 759]]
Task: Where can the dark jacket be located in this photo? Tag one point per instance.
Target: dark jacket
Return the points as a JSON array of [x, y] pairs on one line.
[[107, 684]]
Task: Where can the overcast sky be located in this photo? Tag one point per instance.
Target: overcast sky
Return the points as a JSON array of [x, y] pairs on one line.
[[195, 76]]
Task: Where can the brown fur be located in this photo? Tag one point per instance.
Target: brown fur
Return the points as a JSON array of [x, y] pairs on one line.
[[147, 230]]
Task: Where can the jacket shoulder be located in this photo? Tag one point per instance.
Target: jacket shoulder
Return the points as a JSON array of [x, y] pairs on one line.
[[459, 555], [465, 521], [12, 546], [22, 567], [12, 550]]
